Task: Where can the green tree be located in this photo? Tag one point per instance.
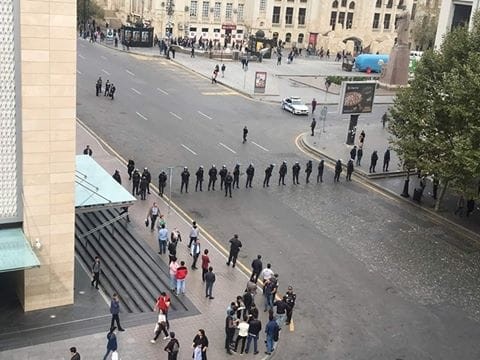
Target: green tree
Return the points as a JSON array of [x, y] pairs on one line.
[[435, 124], [88, 9]]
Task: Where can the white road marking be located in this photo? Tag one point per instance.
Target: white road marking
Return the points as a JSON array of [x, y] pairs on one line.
[[175, 115], [229, 149], [103, 57], [78, 72], [81, 56], [105, 71], [187, 148], [162, 91], [260, 146], [135, 90], [129, 72], [143, 117], [208, 117]]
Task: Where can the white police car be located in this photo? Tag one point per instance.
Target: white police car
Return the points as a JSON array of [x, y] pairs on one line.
[[295, 105]]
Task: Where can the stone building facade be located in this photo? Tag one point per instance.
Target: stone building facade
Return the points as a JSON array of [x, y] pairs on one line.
[[37, 141], [331, 24]]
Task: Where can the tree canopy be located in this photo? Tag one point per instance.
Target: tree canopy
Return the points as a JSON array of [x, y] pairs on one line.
[[435, 123]]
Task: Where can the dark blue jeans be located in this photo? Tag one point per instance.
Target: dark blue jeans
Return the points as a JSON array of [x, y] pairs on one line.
[[255, 343]]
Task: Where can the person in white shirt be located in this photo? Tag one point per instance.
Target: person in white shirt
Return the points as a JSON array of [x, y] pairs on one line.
[[194, 233], [267, 273], [242, 334]]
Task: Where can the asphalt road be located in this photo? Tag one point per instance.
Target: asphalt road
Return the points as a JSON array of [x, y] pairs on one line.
[[374, 279]]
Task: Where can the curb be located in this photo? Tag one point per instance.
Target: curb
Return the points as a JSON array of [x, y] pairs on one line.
[[433, 215]]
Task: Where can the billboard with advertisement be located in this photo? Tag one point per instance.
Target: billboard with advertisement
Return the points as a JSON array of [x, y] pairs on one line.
[[357, 97], [260, 82]]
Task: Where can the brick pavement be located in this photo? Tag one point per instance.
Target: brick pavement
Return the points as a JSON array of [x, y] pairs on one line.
[[135, 342]]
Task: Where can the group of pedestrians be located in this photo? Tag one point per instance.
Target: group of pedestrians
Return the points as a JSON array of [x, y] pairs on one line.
[[109, 89]]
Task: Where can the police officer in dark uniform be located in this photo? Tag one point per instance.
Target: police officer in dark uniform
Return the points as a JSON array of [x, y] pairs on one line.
[[291, 298], [135, 181], [199, 175], [143, 188], [228, 183], [98, 85], [245, 132], [308, 170], [185, 176], [148, 176], [223, 172], [296, 172], [250, 172], [162, 181], [130, 168], [117, 177], [282, 172], [320, 168], [268, 175], [236, 175], [212, 177], [107, 88], [338, 171], [112, 91], [349, 170]]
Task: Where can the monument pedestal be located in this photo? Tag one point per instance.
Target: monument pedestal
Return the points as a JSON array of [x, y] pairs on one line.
[[395, 72]]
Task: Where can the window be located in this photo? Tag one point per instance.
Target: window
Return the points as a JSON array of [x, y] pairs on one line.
[[301, 16], [204, 30], [217, 9], [240, 12], [400, 3], [378, 4], [205, 7], [300, 38], [335, 4], [193, 8], [349, 20], [414, 11], [303, 1], [288, 37], [333, 19], [376, 20], [289, 16], [352, 5], [263, 5], [389, 4], [386, 21], [276, 15], [341, 18], [228, 11], [344, 3]]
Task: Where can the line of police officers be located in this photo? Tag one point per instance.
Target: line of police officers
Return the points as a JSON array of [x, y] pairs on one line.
[[228, 180]]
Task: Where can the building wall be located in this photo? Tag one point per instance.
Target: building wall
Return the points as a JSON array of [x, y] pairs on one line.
[[48, 83]]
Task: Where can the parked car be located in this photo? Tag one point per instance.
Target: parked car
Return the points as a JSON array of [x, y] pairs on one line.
[[295, 105]]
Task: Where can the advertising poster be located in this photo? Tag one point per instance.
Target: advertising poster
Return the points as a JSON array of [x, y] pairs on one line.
[[260, 82], [357, 97]]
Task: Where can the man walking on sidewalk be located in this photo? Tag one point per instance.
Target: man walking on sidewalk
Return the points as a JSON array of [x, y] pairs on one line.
[[257, 267], [162, 240], [195, 252], [96, 272], [312, 126], [314, 105], [235, 246], [153, 213], [209, 280], [194, 232], [115, 310]]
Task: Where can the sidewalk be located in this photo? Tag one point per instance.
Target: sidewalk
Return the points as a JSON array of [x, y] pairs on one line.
[[136, 340], [331, 146], [280, 79]]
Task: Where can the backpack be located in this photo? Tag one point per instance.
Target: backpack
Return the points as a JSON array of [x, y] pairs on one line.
[[172, 247], [175, 347]]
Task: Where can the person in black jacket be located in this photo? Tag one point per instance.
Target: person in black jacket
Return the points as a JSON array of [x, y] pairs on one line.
[[353, 153], [349, 170], [359, 156], [143, 188], [257, 268], [172, 347], [130, 168], [236, 175], [321, 166], [268, 175], [282, 172], [212, 177], [223, 172], [309, 170], [185, 176], [135, 182], [228, 184], [254, 328], [295, 171], [338, 171], [373, 161], [235, 245], [250, 173], [386, 160], [162, 181], [199, 175], [117, 177], [245, 132], [148, 176]]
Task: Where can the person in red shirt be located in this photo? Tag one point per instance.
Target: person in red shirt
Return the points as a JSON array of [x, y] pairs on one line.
[[205, 263], [162, 305], [182, 272]]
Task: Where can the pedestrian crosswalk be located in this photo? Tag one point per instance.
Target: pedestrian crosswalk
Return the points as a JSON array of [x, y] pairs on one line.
[[219, 93]]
